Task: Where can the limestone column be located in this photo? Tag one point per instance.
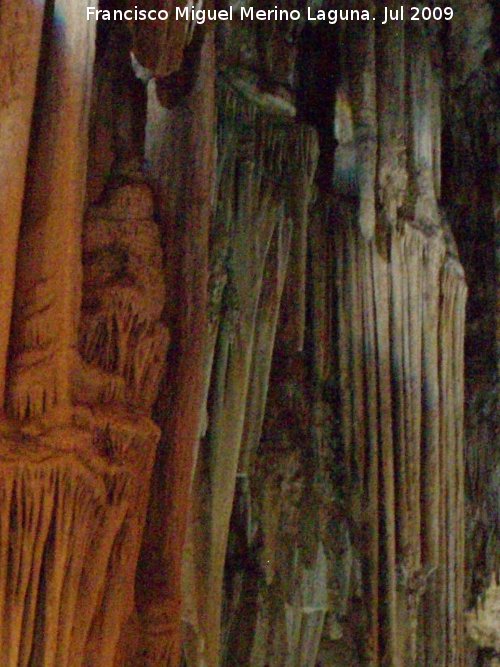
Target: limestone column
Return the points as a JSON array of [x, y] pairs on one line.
[[20, 34], [401, 361], [423, 116], [182, 172], [69, 533], [47, 298], [268, 165], [391, 92], [361, 71]]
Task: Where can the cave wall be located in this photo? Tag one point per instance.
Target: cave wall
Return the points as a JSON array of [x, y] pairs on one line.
[[245, 415]]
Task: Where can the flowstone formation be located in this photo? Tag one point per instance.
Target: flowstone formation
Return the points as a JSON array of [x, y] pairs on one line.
[[77, 442], [248, 383], [122, 341], [409, 313], [266, 166], [72, 495], [393, 378]]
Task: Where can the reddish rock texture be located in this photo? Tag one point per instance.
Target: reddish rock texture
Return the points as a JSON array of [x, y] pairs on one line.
[[246, 418]]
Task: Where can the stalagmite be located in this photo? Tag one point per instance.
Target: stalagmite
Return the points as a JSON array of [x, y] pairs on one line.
[[483, 620], [121, 340], [306, 613]]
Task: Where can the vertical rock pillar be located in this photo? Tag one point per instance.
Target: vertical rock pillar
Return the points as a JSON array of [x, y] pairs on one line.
[[20, 32], [48, 281], [401, 322], [263, 195], [182, 170]]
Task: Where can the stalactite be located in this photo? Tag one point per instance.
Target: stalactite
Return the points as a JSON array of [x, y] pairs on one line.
[[268, 169], [289, 620], [414, 467], [363, 91], [72, 505], [422, 119], [407, 255], [62, 516], [295, 285], [279, 484], [323, 288], [275, 271], [391, 89], [451, 388], [359, 408], [293, 577], [122, 342], [160, 45], [430, 454], [70, 532], [335, 519]]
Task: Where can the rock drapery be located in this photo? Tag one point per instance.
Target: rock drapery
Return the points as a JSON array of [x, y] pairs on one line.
[[398, 452], [238, 424], [77, 438]]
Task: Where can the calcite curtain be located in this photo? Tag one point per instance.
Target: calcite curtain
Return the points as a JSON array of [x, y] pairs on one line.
[[232, 325]]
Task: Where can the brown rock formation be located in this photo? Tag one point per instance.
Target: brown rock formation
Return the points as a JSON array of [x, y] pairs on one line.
[[245, 417]]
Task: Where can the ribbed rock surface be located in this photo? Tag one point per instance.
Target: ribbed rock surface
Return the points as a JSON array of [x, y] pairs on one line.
[[248, 350]]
